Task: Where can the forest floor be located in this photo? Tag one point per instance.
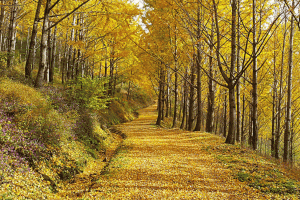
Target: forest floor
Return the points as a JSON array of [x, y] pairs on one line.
[[157, 163]]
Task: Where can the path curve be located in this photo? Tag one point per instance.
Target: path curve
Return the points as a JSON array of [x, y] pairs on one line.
[[157, 163]]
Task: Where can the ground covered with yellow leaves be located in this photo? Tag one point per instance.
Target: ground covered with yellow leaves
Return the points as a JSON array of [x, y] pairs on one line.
[[158, 163]]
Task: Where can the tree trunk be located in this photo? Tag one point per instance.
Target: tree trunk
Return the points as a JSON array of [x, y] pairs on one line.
[[11, 34], [176, 82], [274, 105], [163, 95], [70, 66], [49, 52], [43, 49], [232, 115], [167, 93], [158, 121], [52, 60], [243, 135], [225, 117], [229, 80], [238, 68], [198, 64], [254, 82], [287, 132], [2, 15], [211, 92], [29, 61], [280, 96], [191, 99], [184, 110]]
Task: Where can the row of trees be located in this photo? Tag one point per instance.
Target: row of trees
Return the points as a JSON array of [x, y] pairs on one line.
[[84, 38], [221, 67], [227, 68]]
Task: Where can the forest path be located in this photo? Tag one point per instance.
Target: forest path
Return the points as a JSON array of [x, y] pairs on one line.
[[157, 163]]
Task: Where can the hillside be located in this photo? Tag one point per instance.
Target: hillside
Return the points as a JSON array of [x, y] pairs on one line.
[[48, 136], [159, 163]]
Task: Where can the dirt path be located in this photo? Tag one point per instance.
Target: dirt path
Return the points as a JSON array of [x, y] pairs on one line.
[[156, 163]]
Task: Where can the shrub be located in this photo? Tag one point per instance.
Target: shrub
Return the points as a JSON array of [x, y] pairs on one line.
[[89, 93], [17, 148], [30, 111]]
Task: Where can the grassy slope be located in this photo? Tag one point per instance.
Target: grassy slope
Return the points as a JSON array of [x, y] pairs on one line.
[[68, 141]]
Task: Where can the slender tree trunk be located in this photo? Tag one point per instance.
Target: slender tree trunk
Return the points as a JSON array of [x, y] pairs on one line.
[[163, 94], [27, 43], [254, 81], [198, 64], [225, 117], [111, 75], [49, 52], [280, 96], [11, 34], [29, 61], [2, 15], [65, 62], [211, 92], [238, 68], [158, 121], [105, 65], [229, 80], [250, 138], [191, 100], [167, 93], [70, 66], [243, 135], [52, 60], [176, 82], [291, 153], [43, 49], [274, 105], [287, 132], [128, 91], [184, 110], [232, 111], [232, 118]]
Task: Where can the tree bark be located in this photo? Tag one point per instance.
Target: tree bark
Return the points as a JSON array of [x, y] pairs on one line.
[[225, 117], [2, 15], [211, 92], [254, 81], [176, 81], [198, 64], [52, 62], [184, 110], [70, 66], [287, 132], [280, 96], [191, 99], [158, 121], [43, 49], [274, 105], [30, 55], [49, 52], [11, 34], [238, 69]]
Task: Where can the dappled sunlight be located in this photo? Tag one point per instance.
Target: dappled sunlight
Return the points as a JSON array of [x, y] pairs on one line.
[[157, 163]]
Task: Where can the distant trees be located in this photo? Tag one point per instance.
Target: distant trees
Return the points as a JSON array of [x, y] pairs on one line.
[[73, 38], [220, 44], [226, 68]]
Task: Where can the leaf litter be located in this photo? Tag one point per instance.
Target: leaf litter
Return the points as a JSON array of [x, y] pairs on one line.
[[157, 163]]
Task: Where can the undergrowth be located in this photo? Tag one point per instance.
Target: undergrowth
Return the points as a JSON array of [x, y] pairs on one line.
[[257, 171], [48, 136]]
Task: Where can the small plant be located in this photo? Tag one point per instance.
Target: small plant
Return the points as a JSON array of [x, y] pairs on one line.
[[242, 176], [89, 93]]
